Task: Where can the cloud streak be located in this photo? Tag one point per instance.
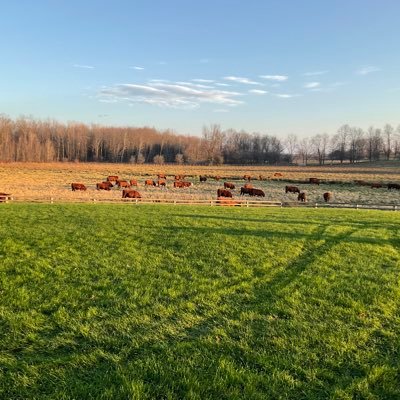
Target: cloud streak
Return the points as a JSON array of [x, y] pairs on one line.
[[137, 68], [82, 66], [312, 85], [277, 78], [239, 79], [367, 70], [183, 95], [315, 73]]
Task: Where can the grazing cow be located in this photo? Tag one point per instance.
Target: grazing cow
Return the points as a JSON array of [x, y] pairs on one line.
[[248, 186], [217, 177], [376, 185], [161, 176], [149, 182], [182, 184], [123, 184], [327, 196], [112, 178], [180, 177], [245, 190], [131, 194], [256, 192], [314, 181], [161, 183], [292, 189], [393, 186], [77, 186], [203, 178], [302, 197], [229, 185], [247, 177], [278, 174], [103, 186], [223, 193], [133, 182], [261, 177]]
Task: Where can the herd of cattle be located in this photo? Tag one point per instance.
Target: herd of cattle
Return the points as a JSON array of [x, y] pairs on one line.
[[225, 192]]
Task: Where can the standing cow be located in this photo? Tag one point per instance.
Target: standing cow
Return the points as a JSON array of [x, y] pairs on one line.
[[224, 193], [327, 196], [131, 194], [292, 189], [302, 197], [77, 186], [229, 185]]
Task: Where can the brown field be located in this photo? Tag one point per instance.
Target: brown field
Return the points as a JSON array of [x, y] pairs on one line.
[[41, 182]]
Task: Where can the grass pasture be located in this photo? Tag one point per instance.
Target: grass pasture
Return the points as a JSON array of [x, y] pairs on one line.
[[172, 302]]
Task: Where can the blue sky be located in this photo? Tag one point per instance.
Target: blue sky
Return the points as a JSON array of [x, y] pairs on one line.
[[276, 67]]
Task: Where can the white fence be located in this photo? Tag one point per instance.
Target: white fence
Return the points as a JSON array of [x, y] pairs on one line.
[[210, 202]]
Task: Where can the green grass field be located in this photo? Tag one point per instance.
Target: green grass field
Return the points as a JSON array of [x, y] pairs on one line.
[[168, 302]]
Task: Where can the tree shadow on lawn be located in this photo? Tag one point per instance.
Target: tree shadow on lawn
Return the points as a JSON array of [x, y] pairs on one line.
[[189, 361]]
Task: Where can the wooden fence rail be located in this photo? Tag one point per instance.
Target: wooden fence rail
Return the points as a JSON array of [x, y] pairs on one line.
[[207, 202]]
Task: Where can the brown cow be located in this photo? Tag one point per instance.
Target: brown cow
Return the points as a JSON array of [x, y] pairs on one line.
[[376, 185], [103, 186], [393, 186], [149, 182], [256, 192], [223, 193], [261, 177], [161, 176], [247, 177], [327, 196], [133, 182], [217, 177], [314, 181], [292, 189], [112, 178], [203, 178], [180, 177], [123, 184], [131, 194], [245, 190], [161, 183], [302, 197], [182, 184], [278, 174], [229, 185], [77, 186]]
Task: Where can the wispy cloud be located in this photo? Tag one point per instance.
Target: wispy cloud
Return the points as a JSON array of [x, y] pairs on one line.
[[222, 84], [220, 110], [312, 85], [315, 73], [203, 80], [83, 66], [240, 79], [286, 95], [183, 95], [367, 70], [257, 91], [137, 68], [279, 78]]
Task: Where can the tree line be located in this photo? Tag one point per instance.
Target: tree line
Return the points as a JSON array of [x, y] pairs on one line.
[[30, 140]]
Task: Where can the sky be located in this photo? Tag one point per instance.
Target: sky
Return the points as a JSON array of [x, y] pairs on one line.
[[267, 66]]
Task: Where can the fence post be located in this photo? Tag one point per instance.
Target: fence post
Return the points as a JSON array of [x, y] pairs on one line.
[[51, 200], [357, 206], [395, 208], [174, 202], [211, 203], [247, 203], [316, 205]]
